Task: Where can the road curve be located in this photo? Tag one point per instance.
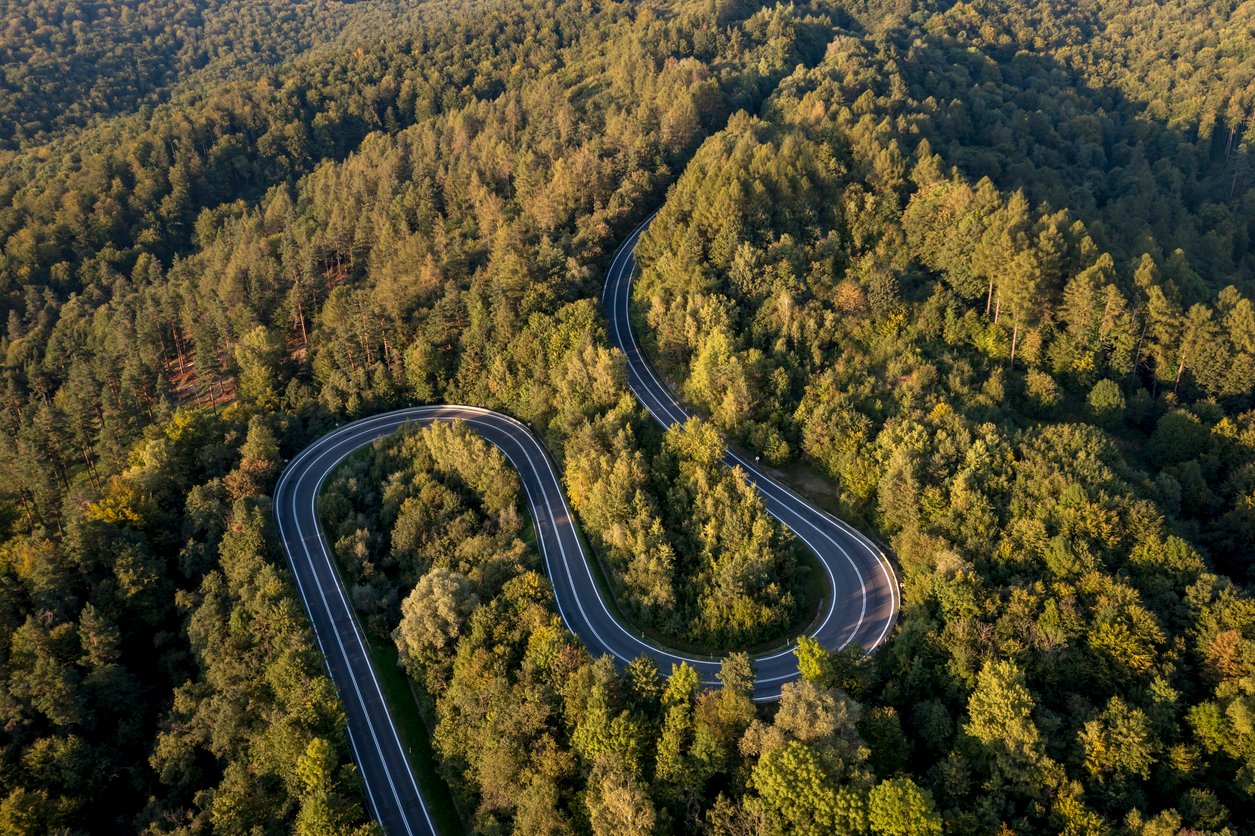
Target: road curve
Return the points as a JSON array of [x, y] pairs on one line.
[[861, 599], [860, 606]]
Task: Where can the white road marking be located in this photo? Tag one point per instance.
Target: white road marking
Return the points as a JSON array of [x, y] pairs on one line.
[[359, 433]]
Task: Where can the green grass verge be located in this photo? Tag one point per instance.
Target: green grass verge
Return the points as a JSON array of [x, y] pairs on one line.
[[411, 724], [414, 725]]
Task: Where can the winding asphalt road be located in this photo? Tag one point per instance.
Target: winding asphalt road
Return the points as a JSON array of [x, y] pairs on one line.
[[860, 605], [861, 598]]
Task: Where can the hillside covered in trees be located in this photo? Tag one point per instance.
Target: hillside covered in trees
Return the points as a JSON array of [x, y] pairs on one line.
[[977, 274]]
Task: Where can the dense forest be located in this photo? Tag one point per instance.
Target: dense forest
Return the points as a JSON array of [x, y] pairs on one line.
[[67, 64], [979, 274]]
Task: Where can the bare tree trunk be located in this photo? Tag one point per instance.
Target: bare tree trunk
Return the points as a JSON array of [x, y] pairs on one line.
[[180, 348], [1137, 352], [27, 509], [300, 315], [91, 465], [388, 353]]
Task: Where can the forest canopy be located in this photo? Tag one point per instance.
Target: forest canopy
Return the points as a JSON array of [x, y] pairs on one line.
[[977, 276]]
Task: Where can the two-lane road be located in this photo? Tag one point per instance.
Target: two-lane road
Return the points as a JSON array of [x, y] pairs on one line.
[[861, 600], [860, 605]]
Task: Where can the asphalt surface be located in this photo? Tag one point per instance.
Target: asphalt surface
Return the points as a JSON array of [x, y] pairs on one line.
[[861, 596], [860, 603]]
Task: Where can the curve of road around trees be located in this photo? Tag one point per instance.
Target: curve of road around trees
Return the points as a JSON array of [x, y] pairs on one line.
[[860, 605]]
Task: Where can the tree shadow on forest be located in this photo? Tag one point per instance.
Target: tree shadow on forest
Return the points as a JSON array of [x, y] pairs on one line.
[[1027, 121], [1139, 185]]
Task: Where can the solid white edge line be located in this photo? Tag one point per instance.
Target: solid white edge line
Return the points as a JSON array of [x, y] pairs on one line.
[[329, 444], [358, 634], [621, 301], [326, 661], [622, 264]]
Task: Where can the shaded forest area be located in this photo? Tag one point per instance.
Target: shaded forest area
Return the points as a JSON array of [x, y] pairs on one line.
[[66, 65], [987, 265]]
